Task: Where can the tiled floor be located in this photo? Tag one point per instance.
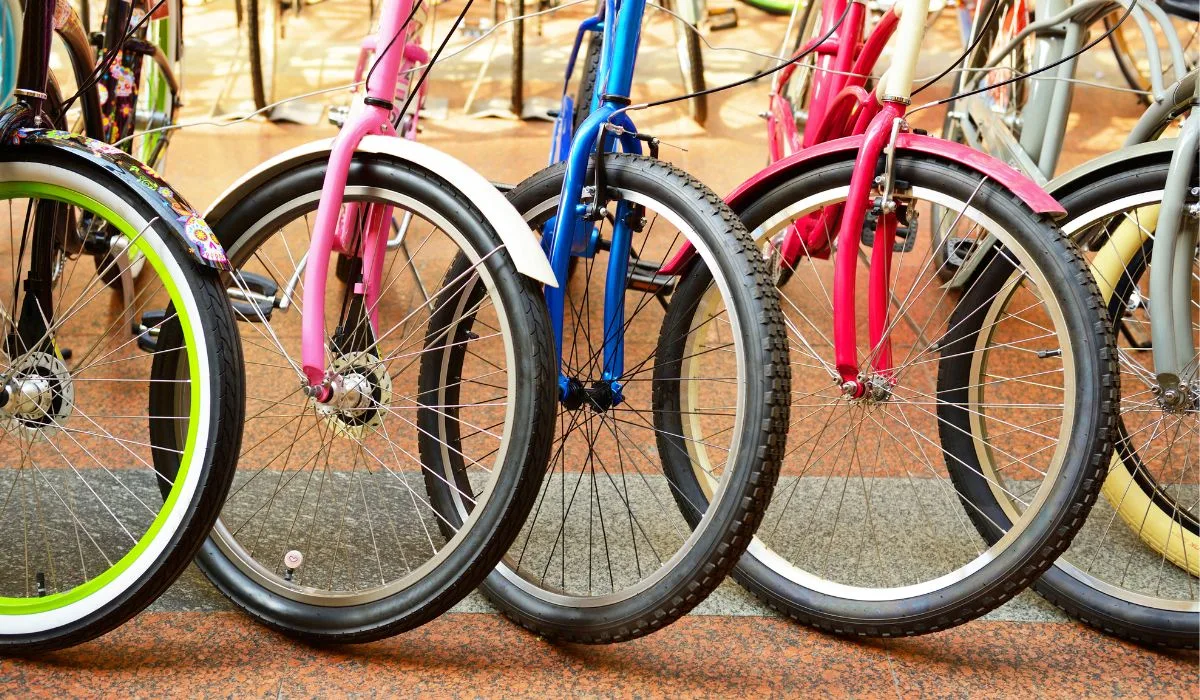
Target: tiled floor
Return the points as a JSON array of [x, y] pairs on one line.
[[192, 643]]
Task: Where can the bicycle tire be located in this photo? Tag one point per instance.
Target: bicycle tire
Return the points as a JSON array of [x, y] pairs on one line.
[[334, 600], [99, 603], [1153, 612], [911, 591], [595, 610]]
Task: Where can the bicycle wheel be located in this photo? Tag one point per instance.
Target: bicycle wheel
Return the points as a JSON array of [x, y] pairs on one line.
[[605, 556], [1132, 569], [866, 534], [327, 533], [116, 458], [262, 26], [687, 50], [1007, 18]]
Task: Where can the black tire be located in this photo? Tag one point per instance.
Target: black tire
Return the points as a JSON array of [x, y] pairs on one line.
[[587, 79], [223, 370], [1070, 495], [261, 19], [1117, 614], [642, 607], [460, 570]]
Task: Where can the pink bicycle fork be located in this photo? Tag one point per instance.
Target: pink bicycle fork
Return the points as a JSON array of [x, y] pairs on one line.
[[356, 233]]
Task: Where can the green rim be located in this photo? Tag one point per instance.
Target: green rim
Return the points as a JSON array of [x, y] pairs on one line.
[[24, 606]]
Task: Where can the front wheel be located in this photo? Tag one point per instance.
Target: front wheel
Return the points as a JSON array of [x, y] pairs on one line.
[[115, 459], [867, 533], [1132, 571], [612, 551], [329, 533]]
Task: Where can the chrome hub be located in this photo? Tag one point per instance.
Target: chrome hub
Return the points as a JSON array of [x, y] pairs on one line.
[[359, 387], [38, 395]]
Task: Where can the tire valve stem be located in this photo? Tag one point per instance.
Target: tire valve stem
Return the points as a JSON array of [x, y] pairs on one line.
[[1043, 354], [291, 561], [41, 584]]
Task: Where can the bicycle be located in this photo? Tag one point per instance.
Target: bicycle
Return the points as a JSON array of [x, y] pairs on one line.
[[1080, 583], [869, 532], [604, 557], [654, 557], [107, 494]]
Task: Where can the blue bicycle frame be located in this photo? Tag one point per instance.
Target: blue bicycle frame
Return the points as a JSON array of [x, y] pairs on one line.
[[572, 232]]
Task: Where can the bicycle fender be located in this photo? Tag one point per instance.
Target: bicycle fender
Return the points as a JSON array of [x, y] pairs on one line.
[[1096, 169], [188, 227], [846, 148], [514, 233]]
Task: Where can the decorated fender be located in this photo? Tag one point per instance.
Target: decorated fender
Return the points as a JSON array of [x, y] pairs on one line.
[[189, 227]]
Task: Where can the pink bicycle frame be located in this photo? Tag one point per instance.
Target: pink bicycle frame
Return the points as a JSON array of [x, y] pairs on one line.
[[372, 114]]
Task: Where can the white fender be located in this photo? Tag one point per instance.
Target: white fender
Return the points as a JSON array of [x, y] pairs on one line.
[[514, 232]]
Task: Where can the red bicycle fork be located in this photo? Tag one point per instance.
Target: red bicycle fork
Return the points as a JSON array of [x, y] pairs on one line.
[[880, 134]]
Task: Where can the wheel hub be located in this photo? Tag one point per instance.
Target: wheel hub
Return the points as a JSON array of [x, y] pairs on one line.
[[37, 395], [1180, 399], [602, 395], [360, 387], [868, 389]]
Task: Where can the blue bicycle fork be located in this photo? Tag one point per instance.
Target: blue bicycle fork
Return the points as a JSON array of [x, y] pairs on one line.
[[573, 231]]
